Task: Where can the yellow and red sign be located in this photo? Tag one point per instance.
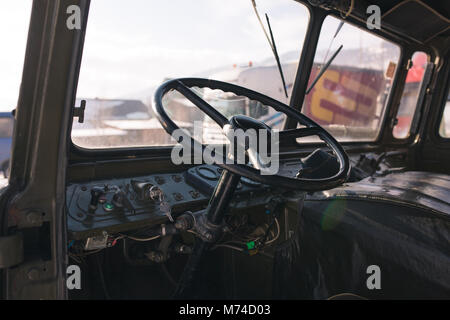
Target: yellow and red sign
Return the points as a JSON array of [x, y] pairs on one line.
[[345, 96]]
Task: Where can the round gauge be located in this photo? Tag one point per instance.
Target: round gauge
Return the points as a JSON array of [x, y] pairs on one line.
[[207, 173], [249, 182]]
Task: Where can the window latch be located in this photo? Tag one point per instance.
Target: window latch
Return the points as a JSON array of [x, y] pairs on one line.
[[409, 64], [78, 112]]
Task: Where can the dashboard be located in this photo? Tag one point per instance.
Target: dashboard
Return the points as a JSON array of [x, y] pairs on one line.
[[119, 205], [123, 204]]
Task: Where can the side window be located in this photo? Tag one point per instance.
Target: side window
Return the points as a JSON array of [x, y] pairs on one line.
[[444, 128], [349, 99], [14, 22], [410, 96]]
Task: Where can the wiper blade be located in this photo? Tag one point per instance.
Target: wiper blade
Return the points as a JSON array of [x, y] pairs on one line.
[[277, 57], [324, 68], [272, 44], [341, 24]]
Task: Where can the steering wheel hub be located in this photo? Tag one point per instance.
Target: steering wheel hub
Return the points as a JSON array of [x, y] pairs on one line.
[[245, 123]]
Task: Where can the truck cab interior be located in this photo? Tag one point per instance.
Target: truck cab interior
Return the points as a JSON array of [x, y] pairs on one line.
[[118, 98]]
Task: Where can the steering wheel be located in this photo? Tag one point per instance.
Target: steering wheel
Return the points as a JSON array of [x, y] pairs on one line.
[[183, 86], [209, 226]]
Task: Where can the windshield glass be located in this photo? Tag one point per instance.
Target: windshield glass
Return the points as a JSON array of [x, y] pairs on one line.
[[130, 50]]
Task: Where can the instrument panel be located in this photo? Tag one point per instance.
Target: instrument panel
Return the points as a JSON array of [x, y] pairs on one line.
[[122, 204], [118, 205]]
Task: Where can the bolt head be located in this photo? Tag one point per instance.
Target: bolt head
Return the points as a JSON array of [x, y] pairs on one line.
[[33, 217], [33, 274]]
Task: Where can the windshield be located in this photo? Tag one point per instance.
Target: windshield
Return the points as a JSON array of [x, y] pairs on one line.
[[130, 50]]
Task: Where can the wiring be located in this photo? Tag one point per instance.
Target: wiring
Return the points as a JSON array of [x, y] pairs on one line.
[[277, 234], [136, 236], [192, 231], [274, 238], [235, 244], [344, 15], [85, 253], [224, 245], [142, 239], [75, 258], [239, 241], [78, 253]]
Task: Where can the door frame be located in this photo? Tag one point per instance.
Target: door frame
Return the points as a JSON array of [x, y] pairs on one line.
[[33, 204]]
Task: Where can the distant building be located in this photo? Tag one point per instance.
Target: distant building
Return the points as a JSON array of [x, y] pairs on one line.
[[117, 123]]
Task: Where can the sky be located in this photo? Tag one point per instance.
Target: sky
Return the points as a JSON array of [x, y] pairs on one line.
[[14, 22], [132, 46]]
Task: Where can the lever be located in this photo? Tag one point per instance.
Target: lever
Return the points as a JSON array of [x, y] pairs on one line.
[[120, 200], [96, 193]]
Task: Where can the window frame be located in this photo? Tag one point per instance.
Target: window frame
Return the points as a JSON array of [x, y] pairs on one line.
[[421, 97], [440, 113], [395, 79]]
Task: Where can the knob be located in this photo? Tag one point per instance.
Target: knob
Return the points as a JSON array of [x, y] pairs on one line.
[[96, 193], [185, 222], [156, 193], [118, 199], [142, 189]]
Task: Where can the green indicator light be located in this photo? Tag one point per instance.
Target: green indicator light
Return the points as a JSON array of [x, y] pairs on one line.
[[108, 206], [251, 245]]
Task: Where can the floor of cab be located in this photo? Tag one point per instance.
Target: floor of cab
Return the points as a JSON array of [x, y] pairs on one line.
[[225, 274]]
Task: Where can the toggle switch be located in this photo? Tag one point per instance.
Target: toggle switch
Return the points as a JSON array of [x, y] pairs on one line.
[[118, 199], [96, 193]]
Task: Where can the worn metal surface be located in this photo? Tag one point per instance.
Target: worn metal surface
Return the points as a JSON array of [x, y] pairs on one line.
[[11, 250], [39, 154], [426, 190]]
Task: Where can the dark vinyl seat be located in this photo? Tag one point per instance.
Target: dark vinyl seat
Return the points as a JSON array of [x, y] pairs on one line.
[[399, 222]]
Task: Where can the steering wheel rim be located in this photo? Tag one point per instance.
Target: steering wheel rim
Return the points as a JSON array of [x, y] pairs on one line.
[[183, 85]]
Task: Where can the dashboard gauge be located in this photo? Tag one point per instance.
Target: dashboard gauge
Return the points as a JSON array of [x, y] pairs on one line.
[[207, 173], [249, 182]]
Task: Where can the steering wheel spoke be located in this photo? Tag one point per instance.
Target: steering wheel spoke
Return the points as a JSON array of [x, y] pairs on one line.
[[201, 104], [300, 133]]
